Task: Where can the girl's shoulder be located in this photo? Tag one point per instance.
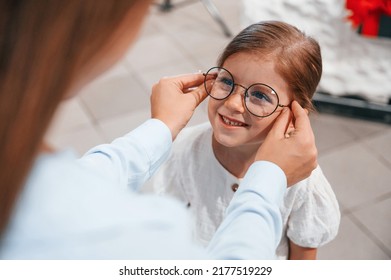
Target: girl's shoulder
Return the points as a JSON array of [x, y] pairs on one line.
[[315, 187], [194, 139], [317, 178], [194, 131], [312, 211]]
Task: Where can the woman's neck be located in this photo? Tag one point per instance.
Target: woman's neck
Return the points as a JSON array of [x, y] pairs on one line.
[[46, 148], [236, 160]]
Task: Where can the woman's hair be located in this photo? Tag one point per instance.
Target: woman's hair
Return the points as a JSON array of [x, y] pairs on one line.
[[297, 57], [45, 45]]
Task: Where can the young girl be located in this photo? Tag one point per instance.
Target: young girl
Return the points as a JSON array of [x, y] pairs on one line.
[[263, 69]]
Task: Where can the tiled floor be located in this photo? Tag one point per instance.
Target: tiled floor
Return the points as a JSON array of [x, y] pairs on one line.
[[355, 155]]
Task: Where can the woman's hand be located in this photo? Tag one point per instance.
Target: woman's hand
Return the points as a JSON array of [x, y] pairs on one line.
[[295, 153], [174, 100]]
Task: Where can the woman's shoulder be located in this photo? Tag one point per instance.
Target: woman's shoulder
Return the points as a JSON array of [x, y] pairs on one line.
[[65, 203]]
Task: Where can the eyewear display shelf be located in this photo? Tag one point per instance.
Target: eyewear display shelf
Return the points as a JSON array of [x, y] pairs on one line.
[[352, 106]]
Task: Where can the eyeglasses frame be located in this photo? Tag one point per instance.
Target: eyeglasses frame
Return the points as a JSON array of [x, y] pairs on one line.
[[245, 92]]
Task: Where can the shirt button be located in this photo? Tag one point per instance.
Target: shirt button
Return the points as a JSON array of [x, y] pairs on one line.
[[234, 187]]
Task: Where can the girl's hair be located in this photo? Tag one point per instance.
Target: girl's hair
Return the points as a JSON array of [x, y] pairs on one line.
[[297, 56], [44, 46]]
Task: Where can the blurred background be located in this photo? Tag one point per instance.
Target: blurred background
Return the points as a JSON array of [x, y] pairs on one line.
[[353, 139]]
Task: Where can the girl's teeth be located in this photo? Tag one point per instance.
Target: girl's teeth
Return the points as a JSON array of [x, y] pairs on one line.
[[232, 123]]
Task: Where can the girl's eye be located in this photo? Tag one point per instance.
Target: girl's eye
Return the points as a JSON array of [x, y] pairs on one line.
[[226, 81], [261, 96]]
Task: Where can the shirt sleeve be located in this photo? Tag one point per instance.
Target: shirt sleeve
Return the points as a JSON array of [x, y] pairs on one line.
[[167, 181], [315, 218], [252, 226], [132, 159]]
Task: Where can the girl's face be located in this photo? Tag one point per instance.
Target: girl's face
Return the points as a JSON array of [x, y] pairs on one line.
[[233, 125]]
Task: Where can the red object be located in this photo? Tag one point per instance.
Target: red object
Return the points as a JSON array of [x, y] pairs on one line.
[[367, 13]]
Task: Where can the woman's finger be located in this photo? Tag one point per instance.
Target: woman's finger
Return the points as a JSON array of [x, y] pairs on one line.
[[281, 124]]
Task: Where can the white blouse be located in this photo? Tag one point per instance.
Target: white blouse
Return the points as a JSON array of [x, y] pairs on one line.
[[310, 210]]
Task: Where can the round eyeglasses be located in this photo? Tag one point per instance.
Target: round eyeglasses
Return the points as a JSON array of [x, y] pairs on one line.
[[259, 99]]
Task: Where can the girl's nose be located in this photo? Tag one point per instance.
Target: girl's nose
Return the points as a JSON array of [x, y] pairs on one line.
[[235, 101]]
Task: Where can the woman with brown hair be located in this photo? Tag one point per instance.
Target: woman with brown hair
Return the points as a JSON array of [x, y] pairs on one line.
[[53, 205]]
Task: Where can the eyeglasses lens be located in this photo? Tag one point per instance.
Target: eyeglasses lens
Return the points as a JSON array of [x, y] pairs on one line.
[[222, 84], [261, 100]]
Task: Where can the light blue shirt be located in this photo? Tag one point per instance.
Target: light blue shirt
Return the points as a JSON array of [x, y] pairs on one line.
[[90, 208]]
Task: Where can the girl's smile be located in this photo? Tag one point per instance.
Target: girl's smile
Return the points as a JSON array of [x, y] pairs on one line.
[[231, 122]]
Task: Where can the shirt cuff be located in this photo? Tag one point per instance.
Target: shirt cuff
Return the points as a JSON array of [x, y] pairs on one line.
[[156, 138]]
